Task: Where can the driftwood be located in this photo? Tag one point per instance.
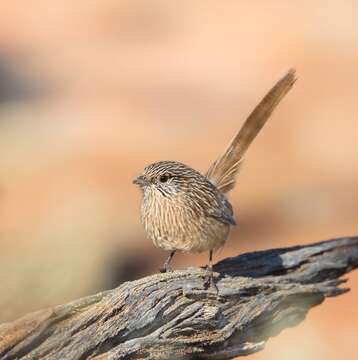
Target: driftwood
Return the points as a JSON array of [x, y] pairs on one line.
[[172, 316]]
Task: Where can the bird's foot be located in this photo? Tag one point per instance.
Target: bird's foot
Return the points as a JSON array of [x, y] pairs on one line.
[[209, 282], [165, 269]]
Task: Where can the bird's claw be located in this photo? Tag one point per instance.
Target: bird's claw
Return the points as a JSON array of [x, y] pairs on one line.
[[165, 269], [209, 282]]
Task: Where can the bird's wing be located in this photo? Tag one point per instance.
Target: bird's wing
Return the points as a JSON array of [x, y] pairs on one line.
[[223, 171], [221, 210]]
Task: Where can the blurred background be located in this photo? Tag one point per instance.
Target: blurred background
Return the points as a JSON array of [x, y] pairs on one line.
[[92, 91]]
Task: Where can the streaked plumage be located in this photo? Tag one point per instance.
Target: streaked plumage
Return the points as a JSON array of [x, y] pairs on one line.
[[184, 210]]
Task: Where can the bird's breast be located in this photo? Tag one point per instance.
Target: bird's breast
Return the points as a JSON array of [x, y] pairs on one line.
[[175, 223]]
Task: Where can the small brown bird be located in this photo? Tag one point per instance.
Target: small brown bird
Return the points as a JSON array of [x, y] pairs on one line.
[[184, 210]]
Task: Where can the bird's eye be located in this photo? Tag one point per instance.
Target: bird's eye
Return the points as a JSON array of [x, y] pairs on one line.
[[164, 178]]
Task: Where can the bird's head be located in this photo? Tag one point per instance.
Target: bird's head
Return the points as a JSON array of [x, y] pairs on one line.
[[168, 178]]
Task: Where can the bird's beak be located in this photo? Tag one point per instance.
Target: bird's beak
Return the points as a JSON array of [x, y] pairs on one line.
[[140, 180]]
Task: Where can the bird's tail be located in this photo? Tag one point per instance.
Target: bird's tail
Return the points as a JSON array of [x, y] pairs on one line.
[[222, 173]]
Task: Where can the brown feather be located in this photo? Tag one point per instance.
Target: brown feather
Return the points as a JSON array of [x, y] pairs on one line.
[[222, 173]]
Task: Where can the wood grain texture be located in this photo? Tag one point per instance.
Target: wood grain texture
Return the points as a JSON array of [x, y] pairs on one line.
[[171, 316]]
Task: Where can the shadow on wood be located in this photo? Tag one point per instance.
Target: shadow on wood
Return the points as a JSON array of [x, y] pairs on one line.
[[172, 316]]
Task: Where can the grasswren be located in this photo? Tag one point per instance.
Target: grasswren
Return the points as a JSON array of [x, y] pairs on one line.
[[185, 210]]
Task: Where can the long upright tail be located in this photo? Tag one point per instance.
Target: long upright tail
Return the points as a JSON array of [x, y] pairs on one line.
[[223, 171]]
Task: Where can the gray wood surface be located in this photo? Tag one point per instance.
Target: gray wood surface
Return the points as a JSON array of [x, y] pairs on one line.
[[172, 316]]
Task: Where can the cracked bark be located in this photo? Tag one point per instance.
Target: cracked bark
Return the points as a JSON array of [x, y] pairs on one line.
[[171, 316]]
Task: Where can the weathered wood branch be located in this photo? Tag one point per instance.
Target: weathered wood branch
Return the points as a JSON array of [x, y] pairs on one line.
[[171, 316]]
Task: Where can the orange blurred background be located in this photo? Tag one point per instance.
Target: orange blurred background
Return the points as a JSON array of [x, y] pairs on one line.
[[92, 91]]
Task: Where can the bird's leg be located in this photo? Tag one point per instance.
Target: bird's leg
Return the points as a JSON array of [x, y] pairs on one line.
[[166, 267], [209, 278]]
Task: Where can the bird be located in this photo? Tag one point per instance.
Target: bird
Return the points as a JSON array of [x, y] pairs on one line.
[[187, 211]]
